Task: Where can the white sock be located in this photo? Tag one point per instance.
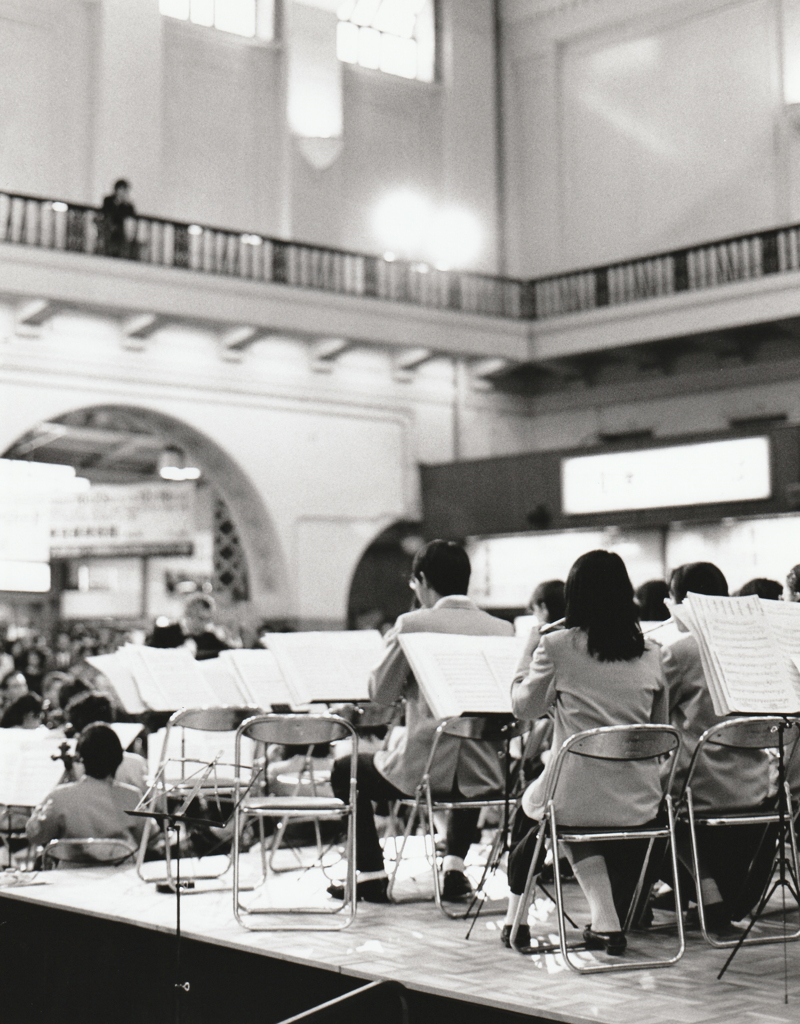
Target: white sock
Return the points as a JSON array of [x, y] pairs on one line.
[[367, 876], [592, 876], [452, 863]]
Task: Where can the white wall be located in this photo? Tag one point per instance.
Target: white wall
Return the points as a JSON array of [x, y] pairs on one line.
[[92, 90], [633, 128], [313, 466]]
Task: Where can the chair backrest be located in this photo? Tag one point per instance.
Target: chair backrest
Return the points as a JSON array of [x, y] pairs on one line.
[[620, 743], [88, 851], [758, 732], [624, 742], [296, 729], [481, 727], [205, 719]]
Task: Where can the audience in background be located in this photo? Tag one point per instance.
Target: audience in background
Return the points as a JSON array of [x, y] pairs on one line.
[[25, 713]]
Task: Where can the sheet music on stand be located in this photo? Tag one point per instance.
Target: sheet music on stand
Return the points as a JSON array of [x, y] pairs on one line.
[[260, 678], [462, 674], [27, 771], [120, 676], [327, 666], [224, 682], [750, 651], [167, 678]]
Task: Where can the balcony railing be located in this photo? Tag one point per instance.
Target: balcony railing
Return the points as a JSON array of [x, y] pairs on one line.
[[51, 224]]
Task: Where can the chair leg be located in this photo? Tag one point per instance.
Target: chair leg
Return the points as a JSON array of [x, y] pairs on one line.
[[530, 885], [410, 824]]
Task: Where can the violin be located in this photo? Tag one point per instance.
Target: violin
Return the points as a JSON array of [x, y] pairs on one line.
[[68, 758]]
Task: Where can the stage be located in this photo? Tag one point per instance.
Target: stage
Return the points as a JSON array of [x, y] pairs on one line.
[[99, 944]]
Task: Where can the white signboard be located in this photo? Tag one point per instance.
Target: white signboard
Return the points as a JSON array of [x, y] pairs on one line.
[[690, 474], [109, 516], [26, 492]]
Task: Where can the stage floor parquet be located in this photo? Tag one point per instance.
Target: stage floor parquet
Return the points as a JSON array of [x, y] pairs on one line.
[[414, 944]]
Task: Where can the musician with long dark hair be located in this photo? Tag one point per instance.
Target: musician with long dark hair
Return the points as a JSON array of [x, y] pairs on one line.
[[597, 670]]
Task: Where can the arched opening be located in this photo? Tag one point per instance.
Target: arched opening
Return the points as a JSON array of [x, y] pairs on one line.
[[379, 589], [230, 548]]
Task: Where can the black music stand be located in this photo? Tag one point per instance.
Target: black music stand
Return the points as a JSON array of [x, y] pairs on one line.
[[173, 821], [786, 873]]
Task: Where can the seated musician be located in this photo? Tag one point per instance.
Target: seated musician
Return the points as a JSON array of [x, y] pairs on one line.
[[597, 671], [725, 780], [25, 713], [95, 806], [439, 578], [86, 708]]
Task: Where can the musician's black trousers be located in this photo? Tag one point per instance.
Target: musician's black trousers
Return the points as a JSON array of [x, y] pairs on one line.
[[371, 785]]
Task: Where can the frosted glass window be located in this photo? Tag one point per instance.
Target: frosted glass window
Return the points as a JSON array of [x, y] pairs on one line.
[[394, 36], [248, 18]]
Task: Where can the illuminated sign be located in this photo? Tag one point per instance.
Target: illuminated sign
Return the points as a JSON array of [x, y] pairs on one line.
[[690, 474]]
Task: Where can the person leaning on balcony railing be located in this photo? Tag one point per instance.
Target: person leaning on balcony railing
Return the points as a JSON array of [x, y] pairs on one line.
[[118, 222]]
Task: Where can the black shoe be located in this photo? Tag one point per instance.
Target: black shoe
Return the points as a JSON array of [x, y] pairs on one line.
[[456, 887], [614, 943], [372, 890], [523, 942], [719, 924]]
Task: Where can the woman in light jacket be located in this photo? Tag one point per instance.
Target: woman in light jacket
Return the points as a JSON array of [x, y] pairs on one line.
[[596, 671]]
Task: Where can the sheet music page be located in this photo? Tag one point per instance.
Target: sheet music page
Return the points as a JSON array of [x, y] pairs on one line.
[[119, 675], [27, 772], [169, 679], [221, 677], [463, 673], [200, 748], [260, 678], [327, 666], [752, 672], [523, 624], [784, 621]]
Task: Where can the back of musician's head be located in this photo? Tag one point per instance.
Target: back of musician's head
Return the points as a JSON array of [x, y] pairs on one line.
[[445, 565], [697, 578], [16, 712], [769, 590], [100, 750], [551, 595], [600, 601], [86, 708], [650, 598]]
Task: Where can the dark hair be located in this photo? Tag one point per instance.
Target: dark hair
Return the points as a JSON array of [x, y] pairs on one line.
[[697, 578], [86, 708], [121, 183], [15, 714], [551, 595], [69, 689], [793, 579], [9, 676], [445, 565], [100, 750], [650, 598], [769, 590], [600, 602]]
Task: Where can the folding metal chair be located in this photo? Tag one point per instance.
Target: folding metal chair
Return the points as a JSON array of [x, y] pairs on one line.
[[294, 730], [212, 775], [87, 852], [487, 728], [761, 732], [610, 744]]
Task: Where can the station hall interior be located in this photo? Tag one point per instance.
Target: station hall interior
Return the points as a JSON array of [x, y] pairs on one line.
[[519, 274]]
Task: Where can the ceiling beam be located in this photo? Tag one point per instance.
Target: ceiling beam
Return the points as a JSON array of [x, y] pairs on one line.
[[324, 353]]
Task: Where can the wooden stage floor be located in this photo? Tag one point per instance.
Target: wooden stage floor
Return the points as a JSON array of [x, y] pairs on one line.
[[414, 944]]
